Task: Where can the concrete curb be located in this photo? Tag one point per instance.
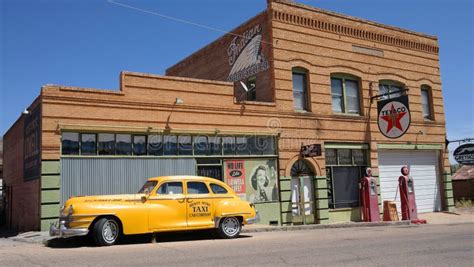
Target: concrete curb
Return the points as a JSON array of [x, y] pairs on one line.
[[256, 229]]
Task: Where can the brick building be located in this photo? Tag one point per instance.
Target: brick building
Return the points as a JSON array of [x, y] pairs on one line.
[[242, 107]]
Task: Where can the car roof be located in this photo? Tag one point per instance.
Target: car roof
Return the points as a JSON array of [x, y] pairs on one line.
[[183, 177]]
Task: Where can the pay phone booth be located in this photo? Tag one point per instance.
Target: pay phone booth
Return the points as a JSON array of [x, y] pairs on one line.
[[369, 198]]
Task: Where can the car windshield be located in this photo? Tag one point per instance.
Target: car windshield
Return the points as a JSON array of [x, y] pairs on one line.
[[147, 187]]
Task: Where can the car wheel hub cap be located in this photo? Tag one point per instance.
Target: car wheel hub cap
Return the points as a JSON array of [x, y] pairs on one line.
[[110, 231], [231, 226]]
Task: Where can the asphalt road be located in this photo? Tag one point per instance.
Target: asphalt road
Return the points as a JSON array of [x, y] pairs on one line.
[[428, 245]]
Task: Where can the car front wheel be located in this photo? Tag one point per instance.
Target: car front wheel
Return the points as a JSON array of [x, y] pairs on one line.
[[229, 227], [106, 232]]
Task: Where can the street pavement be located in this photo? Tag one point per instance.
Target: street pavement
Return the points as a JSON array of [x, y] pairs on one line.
[[406, 245]]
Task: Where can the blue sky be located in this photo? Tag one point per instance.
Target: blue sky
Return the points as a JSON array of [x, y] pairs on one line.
[[87, 43]]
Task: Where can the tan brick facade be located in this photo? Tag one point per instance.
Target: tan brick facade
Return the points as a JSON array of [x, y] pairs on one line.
[[321, 42]]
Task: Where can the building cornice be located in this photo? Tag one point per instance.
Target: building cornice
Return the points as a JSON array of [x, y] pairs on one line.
[[288, 17]]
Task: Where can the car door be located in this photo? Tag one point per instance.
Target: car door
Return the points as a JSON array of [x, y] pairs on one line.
[[167, 207], [200, 207]]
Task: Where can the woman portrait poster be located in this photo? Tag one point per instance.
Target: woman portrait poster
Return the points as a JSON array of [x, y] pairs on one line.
[[261, 181]]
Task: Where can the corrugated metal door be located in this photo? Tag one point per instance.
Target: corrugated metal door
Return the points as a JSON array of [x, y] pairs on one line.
[[98, 176], [423, 167]]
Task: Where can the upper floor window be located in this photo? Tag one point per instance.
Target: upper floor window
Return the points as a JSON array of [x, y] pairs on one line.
[[345, 94], [426, 102], [251, 84], [300, 89], [391, 88]]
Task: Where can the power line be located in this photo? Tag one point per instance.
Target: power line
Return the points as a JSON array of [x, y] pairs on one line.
[[180, 20]]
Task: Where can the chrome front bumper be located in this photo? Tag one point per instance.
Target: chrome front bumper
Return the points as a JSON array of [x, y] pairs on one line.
[[62, 231], [255, 219]]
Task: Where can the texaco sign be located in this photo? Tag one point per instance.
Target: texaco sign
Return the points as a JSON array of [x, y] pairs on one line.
[[394, 116]]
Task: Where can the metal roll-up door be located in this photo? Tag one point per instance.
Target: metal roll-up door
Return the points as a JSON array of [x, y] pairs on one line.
[[423, 167]]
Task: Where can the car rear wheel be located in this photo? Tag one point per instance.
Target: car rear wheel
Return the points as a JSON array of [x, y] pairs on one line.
[[229, 227], [106, 232]]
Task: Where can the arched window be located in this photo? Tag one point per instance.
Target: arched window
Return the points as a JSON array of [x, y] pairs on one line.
[[345, 93], [426, 102], [389, 87], [300, 89]]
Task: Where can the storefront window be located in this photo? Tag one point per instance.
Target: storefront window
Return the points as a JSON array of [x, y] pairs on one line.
[[70, 143], [106, 144], [229, 145], [242, 147], [155, 145], [344, 168], [170, 145], [166, 145], [88, 144], [185, 145], [123, 144], [139, 145]]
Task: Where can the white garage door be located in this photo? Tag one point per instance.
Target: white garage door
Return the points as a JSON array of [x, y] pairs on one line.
[[423, 167]]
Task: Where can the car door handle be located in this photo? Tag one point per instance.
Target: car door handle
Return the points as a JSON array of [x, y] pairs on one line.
[[190, 200], [181, 200]]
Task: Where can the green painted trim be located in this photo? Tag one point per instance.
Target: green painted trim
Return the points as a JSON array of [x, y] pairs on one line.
[[49, 196], [45, 223], [321, 194], [50, 181], [450, 202], [451, 209], [448, 194], [50, 167], [50, 210], [448, 186], [320, 184], [347, 146], [286, 196], [411, 147], [320, 177], [285, 185]]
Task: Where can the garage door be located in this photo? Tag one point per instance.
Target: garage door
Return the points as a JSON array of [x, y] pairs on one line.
[[423, 167]]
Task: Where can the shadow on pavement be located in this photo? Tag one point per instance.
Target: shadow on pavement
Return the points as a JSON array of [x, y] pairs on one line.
[[5, 233], [87, 241]]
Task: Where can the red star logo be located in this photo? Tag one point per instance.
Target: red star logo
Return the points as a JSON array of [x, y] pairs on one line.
[[394, 119]]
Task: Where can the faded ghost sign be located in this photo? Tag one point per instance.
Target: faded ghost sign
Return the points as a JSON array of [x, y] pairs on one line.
[[31, 145], [245, 55]]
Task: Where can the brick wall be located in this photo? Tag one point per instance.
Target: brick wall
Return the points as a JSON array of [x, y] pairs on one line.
[[24, 214]]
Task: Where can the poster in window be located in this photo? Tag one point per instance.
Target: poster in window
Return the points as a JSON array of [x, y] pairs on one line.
[[254, 180], [235, 176]]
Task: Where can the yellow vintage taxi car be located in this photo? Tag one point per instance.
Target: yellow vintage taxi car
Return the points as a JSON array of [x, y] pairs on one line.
[[171, 203]]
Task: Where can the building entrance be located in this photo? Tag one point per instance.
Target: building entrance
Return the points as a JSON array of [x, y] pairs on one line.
[[302, 193]]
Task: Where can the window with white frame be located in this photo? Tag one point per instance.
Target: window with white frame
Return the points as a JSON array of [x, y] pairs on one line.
[[426, 102], [390, 89], [345, 94], [300, 89]]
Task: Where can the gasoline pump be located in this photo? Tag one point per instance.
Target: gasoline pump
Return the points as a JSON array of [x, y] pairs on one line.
[[369, 197], [407, 197]]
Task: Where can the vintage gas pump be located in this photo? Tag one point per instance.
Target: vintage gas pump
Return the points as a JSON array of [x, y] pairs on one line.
[[407, 195], [369, 197]]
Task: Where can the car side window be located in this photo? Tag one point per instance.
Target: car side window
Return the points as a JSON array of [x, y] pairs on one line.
[[197, 188], [170, 188], [217, 189]]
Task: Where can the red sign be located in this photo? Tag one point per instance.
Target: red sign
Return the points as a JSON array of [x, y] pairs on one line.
[[394, 116], [235, 175]]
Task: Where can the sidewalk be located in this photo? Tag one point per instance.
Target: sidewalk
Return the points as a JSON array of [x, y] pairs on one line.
[[431, 218]]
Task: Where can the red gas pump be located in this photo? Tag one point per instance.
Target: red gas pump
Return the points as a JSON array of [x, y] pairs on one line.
[[369, 197], [407, 197]]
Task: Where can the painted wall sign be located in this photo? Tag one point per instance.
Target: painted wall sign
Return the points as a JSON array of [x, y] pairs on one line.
[[464, 154], [311, 150], [245, 55], [235, 175], [394, 116], [32, 145]]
